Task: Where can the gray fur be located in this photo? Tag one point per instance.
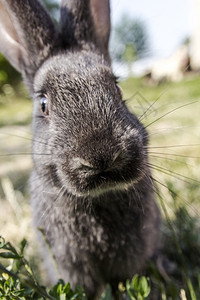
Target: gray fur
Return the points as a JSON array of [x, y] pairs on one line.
[[91, 187], [27, 35]]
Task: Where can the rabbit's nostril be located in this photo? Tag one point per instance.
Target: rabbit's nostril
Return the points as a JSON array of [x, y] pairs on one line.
[[82, 164], [118, 159], [97, 165], [88, 167], [79, 163]]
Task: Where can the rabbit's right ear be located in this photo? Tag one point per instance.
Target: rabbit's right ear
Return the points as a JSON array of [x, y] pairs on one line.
[[27, 34], [85, 23]]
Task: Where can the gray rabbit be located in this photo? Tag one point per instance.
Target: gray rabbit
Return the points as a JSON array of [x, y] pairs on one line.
[[91, 187]]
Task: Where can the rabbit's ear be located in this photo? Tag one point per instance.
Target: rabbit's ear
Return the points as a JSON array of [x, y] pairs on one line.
[[101, 18], [86, 22], [9, 41], [27, 34]]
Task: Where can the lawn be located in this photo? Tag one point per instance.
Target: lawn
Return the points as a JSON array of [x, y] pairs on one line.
[[170, 112]]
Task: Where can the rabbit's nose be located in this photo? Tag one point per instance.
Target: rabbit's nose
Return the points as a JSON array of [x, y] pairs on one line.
[[99, 163]]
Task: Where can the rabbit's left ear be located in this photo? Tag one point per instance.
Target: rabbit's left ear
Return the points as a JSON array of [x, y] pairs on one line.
[[27, 34]]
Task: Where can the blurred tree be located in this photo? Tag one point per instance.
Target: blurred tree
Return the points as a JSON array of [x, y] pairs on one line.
[[129, 40], [9, 78], [53, 8]]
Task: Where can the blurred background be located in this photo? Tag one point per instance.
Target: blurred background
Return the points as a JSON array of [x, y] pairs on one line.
[[164, 26], [168, 24], [155, 49]]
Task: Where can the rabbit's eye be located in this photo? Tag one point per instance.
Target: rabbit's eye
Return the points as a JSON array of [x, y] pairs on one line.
[[44, 106], [119, 90]]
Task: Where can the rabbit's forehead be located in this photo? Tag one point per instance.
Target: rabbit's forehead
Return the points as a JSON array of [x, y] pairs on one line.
[[72, 70]]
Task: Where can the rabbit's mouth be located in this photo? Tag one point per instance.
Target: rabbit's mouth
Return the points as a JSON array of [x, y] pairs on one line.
[[107, 182], [106, 188]]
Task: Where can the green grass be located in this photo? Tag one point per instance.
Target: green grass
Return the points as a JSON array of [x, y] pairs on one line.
[[171, 113], [15, 111], [18, 281]]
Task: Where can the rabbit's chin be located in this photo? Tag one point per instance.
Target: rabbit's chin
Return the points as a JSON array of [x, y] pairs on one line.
[[97, 192]]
